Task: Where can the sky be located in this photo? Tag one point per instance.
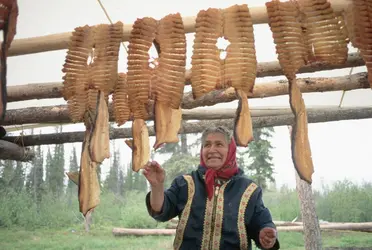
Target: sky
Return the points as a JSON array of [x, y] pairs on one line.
[[340, 150]]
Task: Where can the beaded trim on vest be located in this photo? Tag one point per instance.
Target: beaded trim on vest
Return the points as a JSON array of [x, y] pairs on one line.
[[185, 213], [241, 214]]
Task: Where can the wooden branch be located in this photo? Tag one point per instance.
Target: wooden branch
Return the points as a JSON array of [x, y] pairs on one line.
[[360, 227], [53, 90], [12, 151], [60, 41], [314, 116]]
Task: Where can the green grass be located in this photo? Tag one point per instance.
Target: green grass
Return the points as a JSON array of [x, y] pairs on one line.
[[102, 238]]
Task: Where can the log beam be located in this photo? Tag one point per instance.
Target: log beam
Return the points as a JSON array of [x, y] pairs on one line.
[[59, 114], [60, 41], [12, 151], [314, 116], [360, 227], [39, 91]]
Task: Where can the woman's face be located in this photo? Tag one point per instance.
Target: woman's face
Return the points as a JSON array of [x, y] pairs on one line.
[[215, 150]]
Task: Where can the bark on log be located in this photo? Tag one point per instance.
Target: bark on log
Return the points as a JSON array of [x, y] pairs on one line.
[[197, 127], [306, 85], [53, 90], [59, 114], [311, 228], [60, 40], [360, 227], [12, 151]]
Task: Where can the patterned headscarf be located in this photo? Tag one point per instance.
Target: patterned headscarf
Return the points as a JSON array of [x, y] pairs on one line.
[[229, 168]]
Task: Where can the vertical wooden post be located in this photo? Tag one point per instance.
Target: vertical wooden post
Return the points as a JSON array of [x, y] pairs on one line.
[[311, 228]]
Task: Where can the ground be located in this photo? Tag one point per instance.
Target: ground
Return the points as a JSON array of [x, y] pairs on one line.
[[102, 238]]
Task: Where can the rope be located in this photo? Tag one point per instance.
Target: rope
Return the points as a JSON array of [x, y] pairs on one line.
[[344, 91], [108, 17]]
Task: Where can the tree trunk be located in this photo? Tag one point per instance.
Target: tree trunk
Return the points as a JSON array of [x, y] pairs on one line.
[[311, 228]]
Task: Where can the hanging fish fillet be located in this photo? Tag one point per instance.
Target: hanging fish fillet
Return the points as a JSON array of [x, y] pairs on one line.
[[170, 78], [107, 39], [76, 78], [323, 32], [89, 188], [140, 144], [139, 73], [172, 60], [359, 24], [120, 100], [99, 141], [292, 55], [240, 66], [205, 60], [8, 24]]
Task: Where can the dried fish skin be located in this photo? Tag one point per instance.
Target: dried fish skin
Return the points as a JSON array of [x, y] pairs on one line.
[[89, 188], [170, 72], [243, 129], [167, 124], [300, 145], [99, 141], [140, 145], [205, 60], [120, 100], [139, 72]]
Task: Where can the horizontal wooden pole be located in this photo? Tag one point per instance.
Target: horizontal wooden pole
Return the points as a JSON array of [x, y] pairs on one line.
[[32, 91], [361, 227], [314, 116], [12, 151], [59, 114], [60, 41]]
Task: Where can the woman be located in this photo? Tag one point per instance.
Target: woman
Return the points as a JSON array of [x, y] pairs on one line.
[[218, 207]]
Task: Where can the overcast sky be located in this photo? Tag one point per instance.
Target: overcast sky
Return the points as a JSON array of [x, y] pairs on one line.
[[340, 149]]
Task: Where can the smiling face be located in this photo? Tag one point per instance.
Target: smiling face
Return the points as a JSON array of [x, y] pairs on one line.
[[215, 150]]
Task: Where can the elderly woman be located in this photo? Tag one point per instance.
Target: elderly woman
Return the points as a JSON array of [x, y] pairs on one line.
[[218, 207]]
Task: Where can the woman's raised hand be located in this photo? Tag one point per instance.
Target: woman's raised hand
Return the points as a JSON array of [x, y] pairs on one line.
[[154, 174]]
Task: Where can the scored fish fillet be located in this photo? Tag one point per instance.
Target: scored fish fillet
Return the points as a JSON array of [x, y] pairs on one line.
[[120, 100], [8, 17], [358, 18], [76, 78], [89, 188], [205, 60], [291, 48], [139, 72], [107, 39], [170, 73], [99, 141], [170, 78], [240, 66], [326, 40], [140, 144]]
